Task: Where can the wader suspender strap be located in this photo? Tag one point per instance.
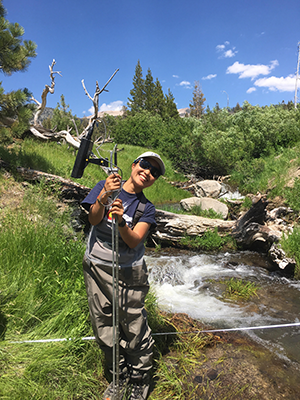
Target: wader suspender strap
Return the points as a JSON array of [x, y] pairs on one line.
[[139, 210]]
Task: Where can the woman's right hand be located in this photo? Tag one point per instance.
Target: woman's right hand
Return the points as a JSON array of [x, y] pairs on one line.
[[112, 183]]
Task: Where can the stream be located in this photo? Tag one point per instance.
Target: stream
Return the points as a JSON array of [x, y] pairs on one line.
[[186, 282]]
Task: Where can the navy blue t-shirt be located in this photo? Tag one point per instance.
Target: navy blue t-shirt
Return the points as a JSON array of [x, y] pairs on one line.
[[99, 242]]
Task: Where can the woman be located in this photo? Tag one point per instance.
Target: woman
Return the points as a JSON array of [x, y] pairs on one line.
[[136, 343]]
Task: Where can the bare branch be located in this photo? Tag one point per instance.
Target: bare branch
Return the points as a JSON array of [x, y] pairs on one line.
[[95, 101], [48, 89]]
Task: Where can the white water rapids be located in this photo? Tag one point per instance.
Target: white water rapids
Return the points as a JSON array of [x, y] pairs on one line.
[[185, 282]]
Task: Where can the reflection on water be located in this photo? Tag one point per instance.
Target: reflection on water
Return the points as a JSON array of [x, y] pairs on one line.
[[184, 282]]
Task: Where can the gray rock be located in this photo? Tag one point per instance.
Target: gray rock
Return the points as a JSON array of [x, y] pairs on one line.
[[208, 188], [205, 203]]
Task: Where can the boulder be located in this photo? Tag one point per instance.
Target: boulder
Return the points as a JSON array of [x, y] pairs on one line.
[[208, 188], [205, 203]]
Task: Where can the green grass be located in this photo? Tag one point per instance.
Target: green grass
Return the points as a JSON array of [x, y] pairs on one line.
[[239, 289], [42, 296], [267, 174], [209, 241], [291, 245]]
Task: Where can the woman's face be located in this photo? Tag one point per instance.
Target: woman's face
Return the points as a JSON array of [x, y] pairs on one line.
[[142, 178]]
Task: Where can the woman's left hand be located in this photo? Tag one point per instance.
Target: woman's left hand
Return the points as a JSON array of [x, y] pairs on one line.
[[117, 209]]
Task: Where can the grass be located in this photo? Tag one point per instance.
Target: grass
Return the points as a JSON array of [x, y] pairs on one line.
[[239, 289], [209, 241], [290, 244], [268, 174]]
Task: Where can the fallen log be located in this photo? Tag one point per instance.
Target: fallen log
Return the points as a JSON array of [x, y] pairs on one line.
[[173, 227]]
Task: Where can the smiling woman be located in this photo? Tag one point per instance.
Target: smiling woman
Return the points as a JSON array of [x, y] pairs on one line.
[[135, 342]]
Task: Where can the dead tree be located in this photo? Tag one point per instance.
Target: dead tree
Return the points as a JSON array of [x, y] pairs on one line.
[[48, 134], [48, 89], [95, 101]]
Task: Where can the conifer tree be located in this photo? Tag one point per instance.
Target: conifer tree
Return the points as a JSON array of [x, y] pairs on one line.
[[159, 99], [149, 92], [15, 55], [197, 106], [137, 101], [171, 109]]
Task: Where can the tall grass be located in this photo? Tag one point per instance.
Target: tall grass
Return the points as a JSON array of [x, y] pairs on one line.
[[290, 244], [42, 296], [267, 174]]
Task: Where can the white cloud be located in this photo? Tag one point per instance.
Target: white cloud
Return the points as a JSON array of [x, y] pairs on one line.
[[251, 71], [114, 106], [229, 53], [185, 84], [226, 53], [252, 89], [220, 47], [210, 76], [274, 83], [175, 76]]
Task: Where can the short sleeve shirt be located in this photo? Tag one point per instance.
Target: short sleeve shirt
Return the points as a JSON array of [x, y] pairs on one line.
[[100, 238]]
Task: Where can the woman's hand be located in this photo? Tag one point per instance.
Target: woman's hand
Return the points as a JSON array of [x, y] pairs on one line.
[[112, 183], [117, 210]]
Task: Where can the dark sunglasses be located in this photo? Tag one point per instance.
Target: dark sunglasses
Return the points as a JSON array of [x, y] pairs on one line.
[[155, 172]]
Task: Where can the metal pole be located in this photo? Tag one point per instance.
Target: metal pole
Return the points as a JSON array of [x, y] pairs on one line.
[[115, 283]]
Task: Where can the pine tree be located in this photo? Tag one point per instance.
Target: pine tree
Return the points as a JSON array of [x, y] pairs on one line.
[[149, 92], [159, 99], [15, 110], [171, 109], [14, 54], [137, 101], [197, 106]]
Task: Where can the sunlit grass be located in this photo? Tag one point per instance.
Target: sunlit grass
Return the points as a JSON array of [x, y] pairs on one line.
[[240, 289]]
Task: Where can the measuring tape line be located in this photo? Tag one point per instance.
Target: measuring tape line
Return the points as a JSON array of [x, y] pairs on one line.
[[169, 333]]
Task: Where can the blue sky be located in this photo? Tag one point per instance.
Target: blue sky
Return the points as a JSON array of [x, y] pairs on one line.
[[238, 50]]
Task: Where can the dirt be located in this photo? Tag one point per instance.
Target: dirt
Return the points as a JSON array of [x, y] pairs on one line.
[[232, 366]]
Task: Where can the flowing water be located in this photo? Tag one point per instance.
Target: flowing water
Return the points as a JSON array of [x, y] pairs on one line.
[[187, 282]]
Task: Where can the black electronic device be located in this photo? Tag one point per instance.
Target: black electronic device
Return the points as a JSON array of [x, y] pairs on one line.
[[84, 153]]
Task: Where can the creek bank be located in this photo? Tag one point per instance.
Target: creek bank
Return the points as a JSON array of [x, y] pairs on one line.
[[228, 365]]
